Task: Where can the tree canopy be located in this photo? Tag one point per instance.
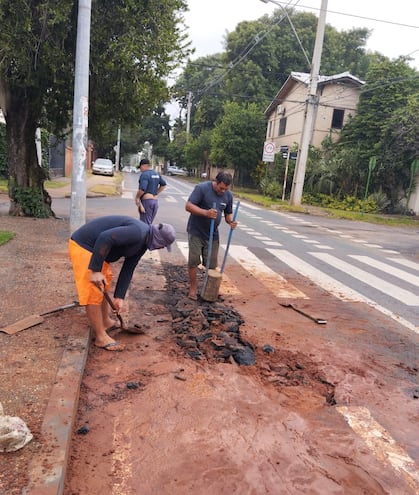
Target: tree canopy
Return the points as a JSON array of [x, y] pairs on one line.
[[134, 47]]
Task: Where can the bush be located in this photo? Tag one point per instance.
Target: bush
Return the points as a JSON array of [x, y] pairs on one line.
[[349, 203], [271, 188]]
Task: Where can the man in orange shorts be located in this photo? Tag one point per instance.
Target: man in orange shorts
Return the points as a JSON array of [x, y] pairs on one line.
[[93, 247]]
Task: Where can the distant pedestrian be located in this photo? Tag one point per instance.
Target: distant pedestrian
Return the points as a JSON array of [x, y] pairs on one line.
[[150, 185], [93, 247], [200, 207]]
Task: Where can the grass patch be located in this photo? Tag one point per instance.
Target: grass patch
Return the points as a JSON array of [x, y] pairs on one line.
[[5, 236], [374, 218], [3, 186], [54, 184]]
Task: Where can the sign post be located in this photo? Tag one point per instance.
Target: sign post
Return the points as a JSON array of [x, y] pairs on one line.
[[268, 151]]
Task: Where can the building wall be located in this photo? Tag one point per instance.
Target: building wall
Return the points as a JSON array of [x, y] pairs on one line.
[[333, 96]]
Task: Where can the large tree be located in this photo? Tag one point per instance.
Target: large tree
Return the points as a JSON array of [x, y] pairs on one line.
[[237, 140], [134, 46]]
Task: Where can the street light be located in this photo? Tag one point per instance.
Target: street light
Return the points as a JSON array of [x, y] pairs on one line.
[[311, 104]]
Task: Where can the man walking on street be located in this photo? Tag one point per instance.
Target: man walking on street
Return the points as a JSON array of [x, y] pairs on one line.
[[200, 206], [150, 185]]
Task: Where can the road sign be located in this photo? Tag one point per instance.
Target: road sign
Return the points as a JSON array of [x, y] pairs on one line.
[[268, 151]]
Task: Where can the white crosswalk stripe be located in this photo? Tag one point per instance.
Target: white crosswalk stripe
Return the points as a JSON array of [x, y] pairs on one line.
[[333, 286], [402, 295], [396, 272]]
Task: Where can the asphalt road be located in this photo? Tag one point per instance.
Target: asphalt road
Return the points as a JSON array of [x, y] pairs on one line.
[[354, 261]]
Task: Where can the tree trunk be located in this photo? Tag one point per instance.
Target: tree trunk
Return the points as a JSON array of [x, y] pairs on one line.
[[26, 178]]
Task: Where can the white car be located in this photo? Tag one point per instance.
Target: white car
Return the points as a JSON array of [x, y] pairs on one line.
[[176, 171], [103, 166], [131, 169]]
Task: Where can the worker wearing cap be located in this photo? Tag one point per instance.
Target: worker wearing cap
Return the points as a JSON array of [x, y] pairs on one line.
[[93, 247]]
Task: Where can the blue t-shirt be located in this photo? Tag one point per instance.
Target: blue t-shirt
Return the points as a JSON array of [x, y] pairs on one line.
[[204, 196], [150, 181]]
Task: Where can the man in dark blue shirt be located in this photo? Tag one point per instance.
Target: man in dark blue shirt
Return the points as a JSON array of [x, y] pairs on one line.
[[200, 206], [93, 247], [150, 185]]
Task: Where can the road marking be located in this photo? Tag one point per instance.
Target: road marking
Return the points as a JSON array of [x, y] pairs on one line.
[[396, 272], [408, 263], [402, 295], [341, 291], [381, 443], [273, 281]]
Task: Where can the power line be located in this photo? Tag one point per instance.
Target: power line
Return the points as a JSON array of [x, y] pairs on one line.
[[359, 17]]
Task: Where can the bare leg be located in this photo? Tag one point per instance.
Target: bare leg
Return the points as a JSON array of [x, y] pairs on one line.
[[94, 315], [106, 311], [193, 286]]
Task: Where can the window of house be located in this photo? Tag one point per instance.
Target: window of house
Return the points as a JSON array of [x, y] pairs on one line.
[[337, 118], [270, 128], [282, 126]]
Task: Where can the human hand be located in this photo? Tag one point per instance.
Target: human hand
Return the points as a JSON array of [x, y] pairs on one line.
[[211, 213], [118, 303], [98, 279], [141, 208], [233, 225]]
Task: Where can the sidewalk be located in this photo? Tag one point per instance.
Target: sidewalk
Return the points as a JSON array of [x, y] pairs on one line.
[[42, 366]]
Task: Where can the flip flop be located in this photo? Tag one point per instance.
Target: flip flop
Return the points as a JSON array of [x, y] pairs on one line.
[[113, 327], [112, 346]]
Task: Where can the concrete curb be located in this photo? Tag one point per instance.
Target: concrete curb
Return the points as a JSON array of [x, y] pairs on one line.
[[48, 469]]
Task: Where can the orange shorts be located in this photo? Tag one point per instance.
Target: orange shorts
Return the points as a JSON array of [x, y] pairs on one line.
[[87, 291]]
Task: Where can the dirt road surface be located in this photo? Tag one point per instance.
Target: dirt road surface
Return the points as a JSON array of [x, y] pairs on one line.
[[241, 396]]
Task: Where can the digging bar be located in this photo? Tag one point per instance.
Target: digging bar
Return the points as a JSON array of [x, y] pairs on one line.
[[319, 321], [31, 321], [210, 242]]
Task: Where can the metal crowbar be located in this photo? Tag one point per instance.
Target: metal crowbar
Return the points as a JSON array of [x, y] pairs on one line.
[[319, 321]]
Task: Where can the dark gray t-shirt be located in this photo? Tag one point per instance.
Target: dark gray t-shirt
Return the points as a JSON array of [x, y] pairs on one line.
[[204, 196]]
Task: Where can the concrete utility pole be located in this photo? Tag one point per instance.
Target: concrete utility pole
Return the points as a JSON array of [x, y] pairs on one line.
[[311, 107], [118, 150], [188, 116], [80, 118]]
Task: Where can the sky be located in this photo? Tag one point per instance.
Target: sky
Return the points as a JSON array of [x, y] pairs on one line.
[[209, 20]]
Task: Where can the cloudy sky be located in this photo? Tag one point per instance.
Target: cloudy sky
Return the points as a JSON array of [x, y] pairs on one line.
[[395, 24]]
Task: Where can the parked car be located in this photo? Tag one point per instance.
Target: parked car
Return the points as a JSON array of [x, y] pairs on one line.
[[176, 171], [103, 166], [131, 169]]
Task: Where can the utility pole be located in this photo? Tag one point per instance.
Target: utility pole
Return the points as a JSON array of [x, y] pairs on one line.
[[118, 150], [310, 112], [80, 117], [188, 115]]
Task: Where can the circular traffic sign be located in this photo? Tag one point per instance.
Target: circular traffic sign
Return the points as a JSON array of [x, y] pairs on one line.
[[269, 148]]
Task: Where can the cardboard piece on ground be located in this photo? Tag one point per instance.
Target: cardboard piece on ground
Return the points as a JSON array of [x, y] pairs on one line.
[[28, 322]]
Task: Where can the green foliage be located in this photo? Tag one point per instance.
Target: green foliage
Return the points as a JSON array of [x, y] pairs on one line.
[[133, 48], [237, 139], [271, 188], [5, 236], [386, 126], [349, 203], [31, 201]]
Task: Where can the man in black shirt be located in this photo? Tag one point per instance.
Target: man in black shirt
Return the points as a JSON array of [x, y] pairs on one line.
[[97, 244]]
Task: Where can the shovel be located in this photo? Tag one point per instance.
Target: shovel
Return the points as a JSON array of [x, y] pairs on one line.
[[319, 321], [135, 329]]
